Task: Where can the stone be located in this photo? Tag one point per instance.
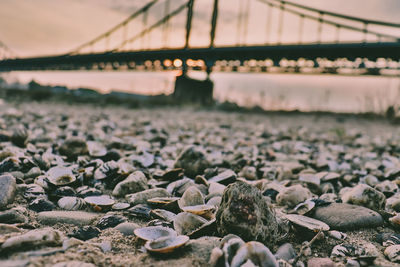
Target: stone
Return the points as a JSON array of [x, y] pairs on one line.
[[14, 215], [245, 212], [127, 228], [134, 183], [344, 217], [41, 204], [73, 264], [193, 161], [79, 218], [293, 195], [285, 252], [110, 220], [34, 238], [320, 262], [366, 196], [8, 187], [142, 197]]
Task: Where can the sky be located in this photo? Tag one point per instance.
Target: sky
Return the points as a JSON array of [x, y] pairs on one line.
[[44, 27]]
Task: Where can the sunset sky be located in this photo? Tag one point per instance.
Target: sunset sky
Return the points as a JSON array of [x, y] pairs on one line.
[[38, 27]]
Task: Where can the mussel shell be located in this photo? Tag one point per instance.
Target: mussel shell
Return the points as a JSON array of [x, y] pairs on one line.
[[96, 149], [60, 176], [191, 197], [158, 222], [205, 211], [99, 203], [163, 215], [71, 203], [120, 206], [33, 191], [307, 223], [154, 232], [140, 211], [166, 244]]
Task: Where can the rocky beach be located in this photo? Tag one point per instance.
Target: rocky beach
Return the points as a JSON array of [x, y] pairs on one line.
[[94, 185]]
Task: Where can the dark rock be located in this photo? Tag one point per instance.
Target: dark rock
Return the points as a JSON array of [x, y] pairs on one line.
[[14, 215], [343, 217], [245, 212], [19, 137], [8, 187], [85, 232]]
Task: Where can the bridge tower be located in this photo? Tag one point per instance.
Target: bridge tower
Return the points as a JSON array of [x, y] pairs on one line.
[[189, 90]]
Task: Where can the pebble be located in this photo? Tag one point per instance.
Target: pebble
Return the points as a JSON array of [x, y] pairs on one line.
[[8, 188], [320, 262], [244, 212], [73, 264], [344, 217], [79, 218], [293, 195], [40, 237], [366, 196], [192, 160]]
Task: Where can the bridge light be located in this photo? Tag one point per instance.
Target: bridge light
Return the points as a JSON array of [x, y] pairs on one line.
[[167, 63], [178, 63]]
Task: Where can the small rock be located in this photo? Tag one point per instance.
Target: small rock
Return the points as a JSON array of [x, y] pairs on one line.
[[14, 215], [79, 218], [285, 252], [71, 242], [14, 263], [8, 187], [40, 237], [135, 182], [293, 195], [366, 196], [245, 212], [142, 197], [127, 228], [73, 264], [345, 217], [193, 161], [320, 262], [7, 229]]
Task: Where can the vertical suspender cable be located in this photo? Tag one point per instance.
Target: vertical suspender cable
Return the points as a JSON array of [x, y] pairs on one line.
[[166, 24], [214, 23], [189, 22], [301, 26], [144, 26], [320, 21]]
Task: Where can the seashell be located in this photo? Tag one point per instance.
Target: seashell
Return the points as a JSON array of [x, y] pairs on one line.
[[64, 191], [388, 188], [42, 181], [19, 136], [85, 233], [168, 203], [215, 188], [166, 244], [41, 204], [71, 203], [389, 239], [60, 176], [10, 164], [304, 207], [395, 221], [225, 177], [177, 188], [158, 222], [344, 250], [172, 175], [206, 229], [120, 206], [110, 220], [96, 149], [307, 222], [186, 223], [140, 211], [257, 253], [150, 233], [163, 215], [108, 170], [33, 191], [191, 197], [328, 176], [39, 237], [214, 201], [230, 247], [86, 191], [205, 211], [100, 203], [337, 235]]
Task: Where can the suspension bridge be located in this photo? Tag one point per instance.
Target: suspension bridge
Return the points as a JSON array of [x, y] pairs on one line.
[[355, 46]]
